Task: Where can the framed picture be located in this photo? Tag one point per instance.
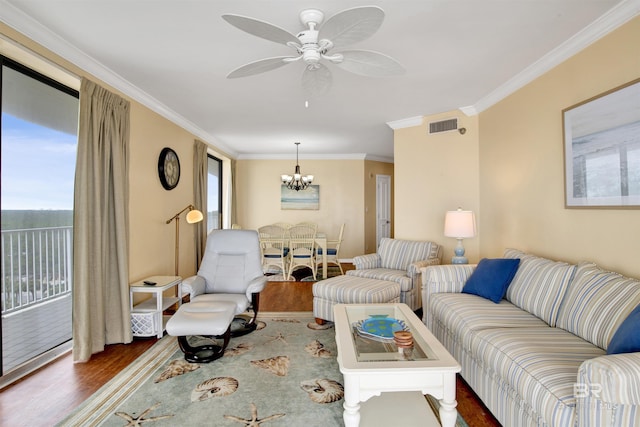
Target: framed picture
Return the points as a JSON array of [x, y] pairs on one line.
[[602, 150], [308, 198]]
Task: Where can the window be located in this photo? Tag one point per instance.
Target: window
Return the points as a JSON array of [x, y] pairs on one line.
[[214, 194]]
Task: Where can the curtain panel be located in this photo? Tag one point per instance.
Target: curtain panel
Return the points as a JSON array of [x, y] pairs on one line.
[[101, 223], [200, 179]]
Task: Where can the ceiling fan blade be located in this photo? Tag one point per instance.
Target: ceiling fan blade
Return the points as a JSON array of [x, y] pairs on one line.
[[259, 66], [369, 63], [316, 80], [352, 25], [261, 29]]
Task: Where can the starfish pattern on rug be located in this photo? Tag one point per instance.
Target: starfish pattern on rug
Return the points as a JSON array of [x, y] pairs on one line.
[[138, 421], [254, 421], [279, 337]]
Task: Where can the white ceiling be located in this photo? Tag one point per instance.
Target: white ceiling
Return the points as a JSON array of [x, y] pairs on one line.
[[174, 55]]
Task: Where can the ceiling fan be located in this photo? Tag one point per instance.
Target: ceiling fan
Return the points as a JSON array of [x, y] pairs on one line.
[[316, 43]]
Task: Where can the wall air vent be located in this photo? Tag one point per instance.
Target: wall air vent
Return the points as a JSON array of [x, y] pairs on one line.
[[443, 126]]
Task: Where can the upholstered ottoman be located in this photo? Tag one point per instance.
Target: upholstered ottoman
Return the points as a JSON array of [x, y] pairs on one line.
[[350, 290], [207, 318]]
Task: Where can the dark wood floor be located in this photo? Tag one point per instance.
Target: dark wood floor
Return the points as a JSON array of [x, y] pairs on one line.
[[48, 395]]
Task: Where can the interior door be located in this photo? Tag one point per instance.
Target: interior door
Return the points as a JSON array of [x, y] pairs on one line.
[[383, 207]]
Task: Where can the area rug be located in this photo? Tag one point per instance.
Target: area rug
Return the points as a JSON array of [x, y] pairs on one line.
[[284, 374]]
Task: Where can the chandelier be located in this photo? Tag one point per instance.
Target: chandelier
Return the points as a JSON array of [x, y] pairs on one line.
[[297, 181]]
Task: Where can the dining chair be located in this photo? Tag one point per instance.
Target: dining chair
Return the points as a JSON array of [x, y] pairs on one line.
[[285, 225], [302, 248], [333, 251], [309, 224], [273, 245]]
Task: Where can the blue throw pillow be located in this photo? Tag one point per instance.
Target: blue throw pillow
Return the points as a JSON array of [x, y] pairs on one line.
[[491, 278], [627, 339]]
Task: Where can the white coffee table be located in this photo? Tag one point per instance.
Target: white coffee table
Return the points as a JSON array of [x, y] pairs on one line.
[[371, 367]]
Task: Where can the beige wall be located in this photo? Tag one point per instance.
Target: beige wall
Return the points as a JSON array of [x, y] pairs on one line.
[[371, 169], [150, 205], [521, 164], [341, 197], [434, 174]]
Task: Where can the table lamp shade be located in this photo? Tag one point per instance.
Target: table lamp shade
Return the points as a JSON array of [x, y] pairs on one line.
[[460, 224]]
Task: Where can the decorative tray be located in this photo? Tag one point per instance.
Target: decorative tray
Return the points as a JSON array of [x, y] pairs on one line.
[[380, 327]]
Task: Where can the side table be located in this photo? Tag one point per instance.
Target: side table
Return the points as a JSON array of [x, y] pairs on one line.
[[147, 319]]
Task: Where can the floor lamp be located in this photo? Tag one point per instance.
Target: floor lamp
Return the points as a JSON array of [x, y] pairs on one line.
[[460, 225], [193, 216]]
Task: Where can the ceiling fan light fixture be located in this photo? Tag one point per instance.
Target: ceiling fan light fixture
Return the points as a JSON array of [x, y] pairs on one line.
[[297, 181], [315, 43]]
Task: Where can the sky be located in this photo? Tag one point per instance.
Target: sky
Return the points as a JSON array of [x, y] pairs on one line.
[[38, 166]]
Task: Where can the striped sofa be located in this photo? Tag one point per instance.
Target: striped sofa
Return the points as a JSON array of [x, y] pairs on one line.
[[538, 358], [399, 261]]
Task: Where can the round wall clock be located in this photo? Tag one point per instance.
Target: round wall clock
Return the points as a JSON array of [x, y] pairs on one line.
[[168, 168]]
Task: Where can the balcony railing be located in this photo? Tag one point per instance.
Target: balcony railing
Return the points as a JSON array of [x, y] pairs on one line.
[[36, 266]]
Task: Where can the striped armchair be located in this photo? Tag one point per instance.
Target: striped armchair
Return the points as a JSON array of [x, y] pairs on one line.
[[399, 261], [539, 356]]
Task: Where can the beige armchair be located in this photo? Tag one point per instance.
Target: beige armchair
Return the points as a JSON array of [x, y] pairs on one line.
[[399, 261]]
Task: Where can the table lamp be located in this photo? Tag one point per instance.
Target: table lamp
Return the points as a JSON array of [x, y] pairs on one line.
[[460, 225]]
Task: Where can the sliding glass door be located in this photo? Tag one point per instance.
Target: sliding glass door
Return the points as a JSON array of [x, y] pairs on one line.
[[38, 136]]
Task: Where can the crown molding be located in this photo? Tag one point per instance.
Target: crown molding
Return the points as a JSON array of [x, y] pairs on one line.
[[614, 18], [469, 110], [406, 123], [375, 158], [268, 156], [354, 156], [35, 31]]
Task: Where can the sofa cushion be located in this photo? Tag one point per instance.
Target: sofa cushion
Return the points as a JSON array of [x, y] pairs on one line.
[[491, 278], [627, 338], [462, 314], [597, 302], [391, 275], [398, 254], [539, 285], [515, 253], [539, 364]]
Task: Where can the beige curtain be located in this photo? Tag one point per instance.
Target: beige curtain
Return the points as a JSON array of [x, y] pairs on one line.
[[101, 223], [200, 179]]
